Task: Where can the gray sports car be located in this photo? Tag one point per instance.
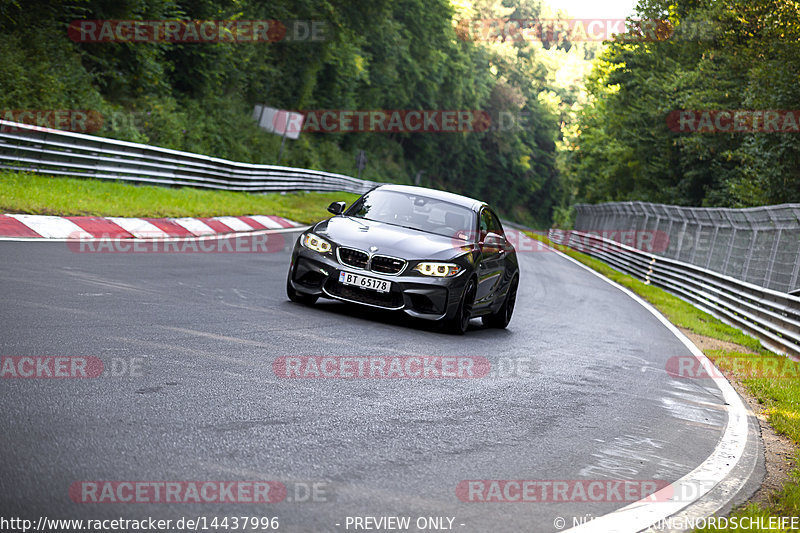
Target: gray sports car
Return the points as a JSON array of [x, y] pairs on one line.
[[431, 254]]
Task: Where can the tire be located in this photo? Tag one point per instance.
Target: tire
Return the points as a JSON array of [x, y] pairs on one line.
[[298, 297], [458, 324], [502, 317]]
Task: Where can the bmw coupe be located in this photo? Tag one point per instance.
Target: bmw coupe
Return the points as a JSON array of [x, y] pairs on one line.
[[433, 255]]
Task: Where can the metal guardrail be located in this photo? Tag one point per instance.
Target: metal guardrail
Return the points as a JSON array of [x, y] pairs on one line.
[[37, 149], [772, 316], [760, 245]]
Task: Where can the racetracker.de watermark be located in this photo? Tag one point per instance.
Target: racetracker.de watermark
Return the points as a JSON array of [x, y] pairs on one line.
[[560, 30], [580, 490], [560, 490], [75, 120], [393, 121], [381, 367], [734, 121], [744, 366], [242, 244], [645, 240], [71, 367], [202, 491], [198, 31], [404, 367]]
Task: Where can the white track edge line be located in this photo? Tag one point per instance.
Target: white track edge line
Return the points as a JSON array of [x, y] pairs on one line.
[[644, 513]]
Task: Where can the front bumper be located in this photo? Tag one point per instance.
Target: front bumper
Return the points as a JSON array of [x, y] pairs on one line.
[[424, 297]]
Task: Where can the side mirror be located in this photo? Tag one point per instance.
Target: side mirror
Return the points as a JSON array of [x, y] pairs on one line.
[[337, 208], [492, 243]]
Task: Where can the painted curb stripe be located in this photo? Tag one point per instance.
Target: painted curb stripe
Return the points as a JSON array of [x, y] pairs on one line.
[[14, 228], [252, 223], [53, 227], [282, 221], [24, 226], [215, 225], [170, 227], [267, 222], [212, 237], [139, 228], [235, 223], [195, 227], [100, 227]]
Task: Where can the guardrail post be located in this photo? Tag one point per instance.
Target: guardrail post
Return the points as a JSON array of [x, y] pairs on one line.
[[606, 217], [680, 240], [713, 243], [669, 219], [732, 244], [795, 281], [772, 255], [697, 233], [749, 255], [793, 284]]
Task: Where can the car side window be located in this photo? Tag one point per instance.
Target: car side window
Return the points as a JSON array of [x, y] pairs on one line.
[[485, 223], [494, 224]]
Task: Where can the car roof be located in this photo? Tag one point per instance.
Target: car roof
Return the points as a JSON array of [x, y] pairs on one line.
[[433, 193]]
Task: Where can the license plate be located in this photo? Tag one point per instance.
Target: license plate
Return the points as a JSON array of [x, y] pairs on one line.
[[364, 282]]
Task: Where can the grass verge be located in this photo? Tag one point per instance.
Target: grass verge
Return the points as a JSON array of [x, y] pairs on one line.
[[24, 192], [769, 378]]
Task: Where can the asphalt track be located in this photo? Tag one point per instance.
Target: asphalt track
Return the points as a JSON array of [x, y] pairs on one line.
[[588, 398]]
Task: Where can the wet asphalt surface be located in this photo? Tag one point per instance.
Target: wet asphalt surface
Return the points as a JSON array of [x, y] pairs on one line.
[[580, 391]]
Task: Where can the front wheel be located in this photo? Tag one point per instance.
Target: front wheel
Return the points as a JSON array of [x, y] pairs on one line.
[[459, 323], [502, 317], [297, 296]]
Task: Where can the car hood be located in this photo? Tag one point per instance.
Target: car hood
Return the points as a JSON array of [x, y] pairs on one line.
[[389, 239]]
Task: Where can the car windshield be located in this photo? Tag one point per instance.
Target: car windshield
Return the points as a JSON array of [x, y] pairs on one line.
[[416, 212]]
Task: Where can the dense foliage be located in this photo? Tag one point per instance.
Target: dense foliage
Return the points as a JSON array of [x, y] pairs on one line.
[[740, 55], [378, 54]]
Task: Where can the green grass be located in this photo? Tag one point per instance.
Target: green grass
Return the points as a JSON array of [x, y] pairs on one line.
[[780, 396], [22, 192], [772, 379]]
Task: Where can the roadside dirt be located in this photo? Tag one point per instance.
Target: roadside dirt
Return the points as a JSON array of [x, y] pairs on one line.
[[709, 343]]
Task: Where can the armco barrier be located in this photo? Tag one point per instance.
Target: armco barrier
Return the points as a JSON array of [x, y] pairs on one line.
[[37, 149], [760, 245]]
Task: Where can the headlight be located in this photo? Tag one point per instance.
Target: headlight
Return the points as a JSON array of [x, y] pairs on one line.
[[440, 270], [316, 243]]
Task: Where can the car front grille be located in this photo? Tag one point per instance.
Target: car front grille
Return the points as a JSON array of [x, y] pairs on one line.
[[353, 258], [380, 264], [386, 265]]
